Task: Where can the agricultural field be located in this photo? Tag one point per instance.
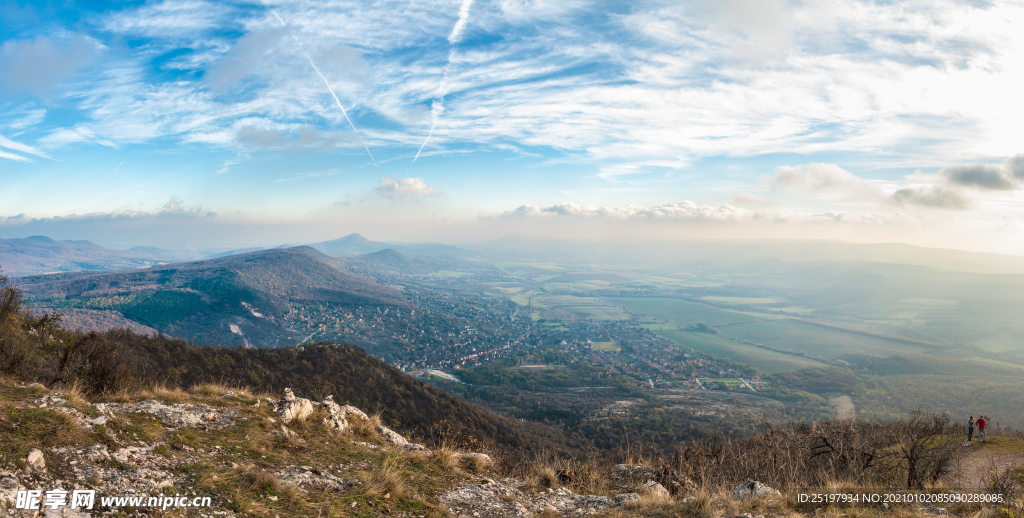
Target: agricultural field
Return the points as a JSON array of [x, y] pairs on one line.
[[683, 313], [766, 361], [568, 307], [818, 341], [743, 301]]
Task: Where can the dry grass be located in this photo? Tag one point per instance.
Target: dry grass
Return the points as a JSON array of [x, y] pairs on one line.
[[446, 458], [365, 427], [387, 479]]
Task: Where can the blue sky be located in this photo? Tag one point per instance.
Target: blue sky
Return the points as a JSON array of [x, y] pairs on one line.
[[193, 123]]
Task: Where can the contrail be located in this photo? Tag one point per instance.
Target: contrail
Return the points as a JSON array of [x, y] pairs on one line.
[[119, 165], [326, 82], [437, 107]]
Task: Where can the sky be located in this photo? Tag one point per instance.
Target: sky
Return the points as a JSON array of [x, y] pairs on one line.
[[227, 124]]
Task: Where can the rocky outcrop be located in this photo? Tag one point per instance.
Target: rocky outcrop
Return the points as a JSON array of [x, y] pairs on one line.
[[751, 489], [396, 438], [314, 479], [635, 473], [182, 415], [338, 416], [490, 499], [486, 499], [291, 408]]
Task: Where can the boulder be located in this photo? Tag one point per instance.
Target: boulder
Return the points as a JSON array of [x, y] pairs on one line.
[[391, 436], [656, 490], [35, 461], [291, 408], [751, 489], [338, 416], [396, 438]]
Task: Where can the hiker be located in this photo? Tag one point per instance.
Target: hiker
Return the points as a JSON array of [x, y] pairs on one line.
[[970, 428], [981, 429]]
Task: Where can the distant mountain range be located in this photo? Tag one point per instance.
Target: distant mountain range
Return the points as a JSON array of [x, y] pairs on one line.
[[661, 252], [234, 300], [356, 244], [39, 254]]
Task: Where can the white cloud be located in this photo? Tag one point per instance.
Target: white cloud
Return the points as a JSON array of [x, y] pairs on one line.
[[18, 146], [12, 156], [460, 24], [688, 211], [391, 187], [819, 177]]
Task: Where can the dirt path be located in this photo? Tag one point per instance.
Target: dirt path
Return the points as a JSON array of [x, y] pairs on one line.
[[977, 463]]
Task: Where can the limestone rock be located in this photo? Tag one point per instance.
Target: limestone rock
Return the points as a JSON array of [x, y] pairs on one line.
[[338, 416], [291, 408], [9, 487], [35, 461], [396, 438], [314, 479], [490, 499], [485, 500], [391, 436], [751, 489], [563, 502], [182, 415], [633, 473], [626, 498], [655, 489]]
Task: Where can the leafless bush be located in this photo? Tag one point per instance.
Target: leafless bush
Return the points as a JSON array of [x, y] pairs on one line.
[[910, 452]]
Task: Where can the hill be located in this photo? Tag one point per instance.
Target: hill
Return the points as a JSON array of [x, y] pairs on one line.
[[356, 244], [236, 300], [39, 254], [391, 260]]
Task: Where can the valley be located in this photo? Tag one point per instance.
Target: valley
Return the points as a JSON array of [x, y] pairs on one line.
[[566, 340]]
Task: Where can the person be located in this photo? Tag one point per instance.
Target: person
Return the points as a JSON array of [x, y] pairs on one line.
[[970, 429], [981, 428]]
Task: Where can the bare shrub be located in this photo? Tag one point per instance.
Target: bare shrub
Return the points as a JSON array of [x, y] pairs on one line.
[[910, 452]]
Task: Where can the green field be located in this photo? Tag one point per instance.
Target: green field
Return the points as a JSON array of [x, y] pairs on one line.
[[605, 346], [766, 361], [582, 307], [812, 340], [743, 301], [1002, 342], [682, 312]]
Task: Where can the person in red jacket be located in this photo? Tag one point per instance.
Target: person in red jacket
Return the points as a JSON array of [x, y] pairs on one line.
[[981, 428]]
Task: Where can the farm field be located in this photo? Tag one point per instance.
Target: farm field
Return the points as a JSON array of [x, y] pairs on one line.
[[766, 361], [683, 313], [743, 301], [818, 341], [582, 308]]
